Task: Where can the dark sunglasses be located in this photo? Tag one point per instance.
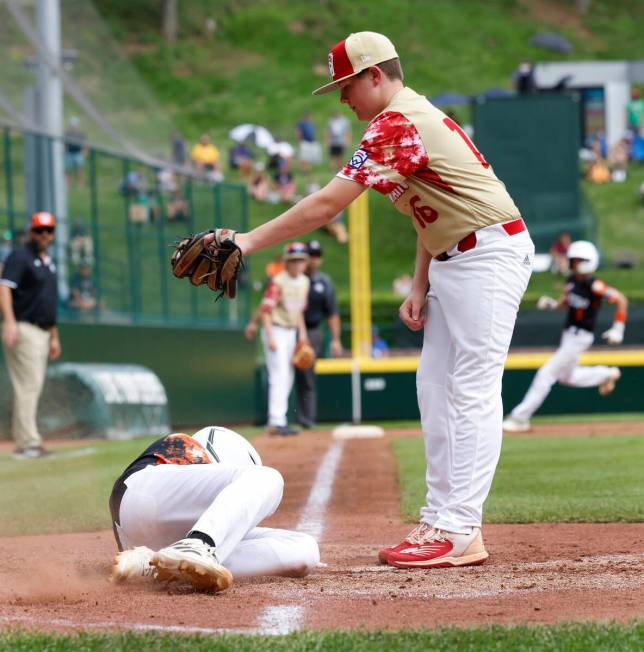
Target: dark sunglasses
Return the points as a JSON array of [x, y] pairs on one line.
[[43, 229]]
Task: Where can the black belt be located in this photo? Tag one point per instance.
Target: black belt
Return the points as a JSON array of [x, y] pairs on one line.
[[43, 327]]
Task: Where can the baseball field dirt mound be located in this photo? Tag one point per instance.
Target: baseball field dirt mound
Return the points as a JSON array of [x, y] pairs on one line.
[[536, 573]]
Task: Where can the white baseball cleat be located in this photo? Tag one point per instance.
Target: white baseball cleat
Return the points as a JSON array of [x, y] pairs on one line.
[[193, 561], [133, 563], [511, 424], [609, 384]]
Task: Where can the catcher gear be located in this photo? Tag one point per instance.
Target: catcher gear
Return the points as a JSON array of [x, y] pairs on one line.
[[303, 356], [216, 264]]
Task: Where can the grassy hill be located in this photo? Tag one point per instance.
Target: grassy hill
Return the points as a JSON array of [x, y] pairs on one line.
[[257, 61]]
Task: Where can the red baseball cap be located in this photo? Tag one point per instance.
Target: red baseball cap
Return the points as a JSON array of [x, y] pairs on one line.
[[43, 219], [356, 53]]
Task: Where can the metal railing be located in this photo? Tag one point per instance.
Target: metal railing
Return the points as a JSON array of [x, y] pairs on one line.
[[123, 216]]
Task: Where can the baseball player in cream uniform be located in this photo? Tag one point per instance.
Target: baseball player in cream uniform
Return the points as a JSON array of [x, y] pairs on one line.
[[473, 262], [582, 299], [188, 509], [282, 312]]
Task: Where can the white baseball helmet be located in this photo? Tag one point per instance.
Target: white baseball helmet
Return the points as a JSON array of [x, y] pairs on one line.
[[225, 446], [587, 253]]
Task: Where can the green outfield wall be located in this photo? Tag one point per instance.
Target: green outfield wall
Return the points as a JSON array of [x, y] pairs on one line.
[[207, 372], [387, 387]]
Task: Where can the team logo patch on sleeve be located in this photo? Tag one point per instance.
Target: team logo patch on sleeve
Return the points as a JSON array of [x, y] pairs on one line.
[[358, 159]]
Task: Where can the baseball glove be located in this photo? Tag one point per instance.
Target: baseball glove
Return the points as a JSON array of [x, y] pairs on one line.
[[303, 356], [216, 264]]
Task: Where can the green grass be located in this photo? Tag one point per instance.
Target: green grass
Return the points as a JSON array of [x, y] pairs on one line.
[[66, 493], [575, 479], [582, 637]]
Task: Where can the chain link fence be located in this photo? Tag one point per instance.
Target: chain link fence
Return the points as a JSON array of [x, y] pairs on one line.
[[123, 217]]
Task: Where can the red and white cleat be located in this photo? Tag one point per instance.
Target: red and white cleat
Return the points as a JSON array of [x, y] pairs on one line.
[[418, 534], [441, 549]]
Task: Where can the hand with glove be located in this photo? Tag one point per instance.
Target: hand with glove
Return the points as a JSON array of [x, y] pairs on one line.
[[615, 334], [547, 303], [210, 257]]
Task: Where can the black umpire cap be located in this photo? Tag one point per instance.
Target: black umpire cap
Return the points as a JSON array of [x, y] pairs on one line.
[[315, 248]]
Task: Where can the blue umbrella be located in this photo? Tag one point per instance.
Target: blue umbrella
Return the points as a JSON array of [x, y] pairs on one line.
[[449, 99], [494, 93], [551, 41]]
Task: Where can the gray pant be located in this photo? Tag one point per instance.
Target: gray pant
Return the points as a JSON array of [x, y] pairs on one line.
[[306, 410], [27, 365]]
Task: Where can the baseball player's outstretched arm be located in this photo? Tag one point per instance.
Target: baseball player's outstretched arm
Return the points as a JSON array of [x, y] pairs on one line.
[[310, 213], [615, 334], [413, 307]]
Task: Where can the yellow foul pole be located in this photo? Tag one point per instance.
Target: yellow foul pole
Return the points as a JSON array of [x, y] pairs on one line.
[[360, 277]]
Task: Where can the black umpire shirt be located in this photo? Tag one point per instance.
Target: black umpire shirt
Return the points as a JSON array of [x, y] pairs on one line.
[[33, 284], [322, 303]]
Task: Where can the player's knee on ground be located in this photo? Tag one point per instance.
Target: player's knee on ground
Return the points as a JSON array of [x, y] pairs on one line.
[[307, 558]]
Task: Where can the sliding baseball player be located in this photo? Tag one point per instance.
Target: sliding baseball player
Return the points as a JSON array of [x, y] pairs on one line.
[[188, 508]]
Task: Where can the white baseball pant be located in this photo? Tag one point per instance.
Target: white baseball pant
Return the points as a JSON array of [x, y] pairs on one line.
[[280, 372], [472, 305], [163, 503], [564, 368]]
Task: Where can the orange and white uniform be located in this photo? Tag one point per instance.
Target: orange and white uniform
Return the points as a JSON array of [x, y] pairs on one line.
[[285, 300], [482, 260]]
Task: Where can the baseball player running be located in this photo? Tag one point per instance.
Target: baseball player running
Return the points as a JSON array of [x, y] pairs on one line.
[[474, 248], [582, 298], [188, 508]]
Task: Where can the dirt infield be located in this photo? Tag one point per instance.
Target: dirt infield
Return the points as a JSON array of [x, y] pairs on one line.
[[536, 573]]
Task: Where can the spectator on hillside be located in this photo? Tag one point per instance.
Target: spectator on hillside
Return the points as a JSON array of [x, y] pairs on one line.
[[205, 158], [559, 253], [241, 158], [178, 144], [379, 348], [598, 171], [402, 285], [308, 148], [178, 208], [338, 138], [635, 112], [75, 150], [284, 184], [258, 184], [167, 181], [618, 160], [83, 291], [133, 184], [81, 245], [523, 78]]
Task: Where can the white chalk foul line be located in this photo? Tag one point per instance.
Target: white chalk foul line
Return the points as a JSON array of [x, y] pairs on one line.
[[283, 619], [312, 517]]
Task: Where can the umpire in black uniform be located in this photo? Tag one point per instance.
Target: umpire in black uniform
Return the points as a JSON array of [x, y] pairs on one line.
[[322, 305], [29, 332]]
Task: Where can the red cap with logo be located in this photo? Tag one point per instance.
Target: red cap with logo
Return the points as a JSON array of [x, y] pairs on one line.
[[43, 219], [356, 53]]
